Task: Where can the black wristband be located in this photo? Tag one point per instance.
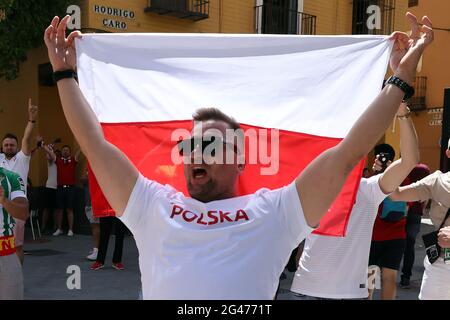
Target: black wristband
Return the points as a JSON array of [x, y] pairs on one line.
[[59, 75], [406, 88]]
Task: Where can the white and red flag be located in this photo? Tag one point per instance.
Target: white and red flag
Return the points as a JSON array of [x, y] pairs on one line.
[[312, 89]]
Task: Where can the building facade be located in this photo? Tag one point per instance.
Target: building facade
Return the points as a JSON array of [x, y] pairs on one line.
[[308, 17], [432, 78]]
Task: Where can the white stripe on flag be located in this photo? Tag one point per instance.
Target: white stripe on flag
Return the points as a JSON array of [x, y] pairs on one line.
[[316, 85]]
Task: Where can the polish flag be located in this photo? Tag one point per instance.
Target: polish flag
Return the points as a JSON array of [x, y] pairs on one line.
[[311, 89]]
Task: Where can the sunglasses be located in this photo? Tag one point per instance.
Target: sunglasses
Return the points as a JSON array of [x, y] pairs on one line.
[[189, 145]]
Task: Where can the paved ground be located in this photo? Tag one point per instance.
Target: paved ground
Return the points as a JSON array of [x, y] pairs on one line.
[[48, 259], [45, 270], [410, 293]]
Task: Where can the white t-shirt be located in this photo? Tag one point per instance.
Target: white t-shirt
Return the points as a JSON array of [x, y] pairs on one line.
[[19, 164], [51, 176], [235, 248], [336, 267]]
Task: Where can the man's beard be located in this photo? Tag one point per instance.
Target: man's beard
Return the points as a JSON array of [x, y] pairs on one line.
[[203, 192], [10, 155]]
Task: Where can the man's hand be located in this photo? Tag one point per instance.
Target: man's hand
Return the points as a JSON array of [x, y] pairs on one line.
[[32, 111], [408, 49], [61, 50], [40, 141], [444, 237], [378, 165]]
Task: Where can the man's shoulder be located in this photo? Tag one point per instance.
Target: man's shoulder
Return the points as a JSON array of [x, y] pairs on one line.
[[8, 173], [21, 155], [13, 177], [274, 195], [443, 177], [366, 183], [433, 178], [163, 190]]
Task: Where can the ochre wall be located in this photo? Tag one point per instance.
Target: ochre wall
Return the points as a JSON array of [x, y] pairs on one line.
[[436, 67], [230, 16]]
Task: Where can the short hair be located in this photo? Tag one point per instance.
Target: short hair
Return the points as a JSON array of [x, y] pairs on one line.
[[385, 148], [205, 114], [66, 146], [10, 136]]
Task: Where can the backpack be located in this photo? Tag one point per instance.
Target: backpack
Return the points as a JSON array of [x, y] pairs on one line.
[[393, 211]]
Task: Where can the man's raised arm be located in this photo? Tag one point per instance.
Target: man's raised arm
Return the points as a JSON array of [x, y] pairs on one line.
[[51, 156], [26, 140], [114, 172], [409, 147], [320, 183]]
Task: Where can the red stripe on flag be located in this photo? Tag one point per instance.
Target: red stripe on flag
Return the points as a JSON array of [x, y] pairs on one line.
[[149, 147]]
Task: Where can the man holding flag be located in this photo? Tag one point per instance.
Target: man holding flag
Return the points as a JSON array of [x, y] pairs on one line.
[[217, 245], [336, 267]]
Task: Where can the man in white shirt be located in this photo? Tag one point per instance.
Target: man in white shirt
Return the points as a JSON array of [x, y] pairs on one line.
[[13, 206], [336, 267], [18, 161], [217, 245]]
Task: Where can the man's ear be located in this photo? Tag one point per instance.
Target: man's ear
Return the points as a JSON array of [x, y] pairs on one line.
[[447, 152]]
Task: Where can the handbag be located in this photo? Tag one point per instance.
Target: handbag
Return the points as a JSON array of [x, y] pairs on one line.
[[430, 240]]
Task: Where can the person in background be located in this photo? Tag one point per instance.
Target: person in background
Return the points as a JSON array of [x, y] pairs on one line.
[[18, 161], [13, 205], [413, 221], [389, 235], [94, 221], [65, 192], [106, 224], [51, 183], [434, 187]]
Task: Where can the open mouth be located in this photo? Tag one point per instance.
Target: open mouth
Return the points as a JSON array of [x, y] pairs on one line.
[[199, 173]]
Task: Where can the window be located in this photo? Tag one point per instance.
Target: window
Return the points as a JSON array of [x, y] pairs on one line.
[[279, 16], [412, 3], [283, 17]]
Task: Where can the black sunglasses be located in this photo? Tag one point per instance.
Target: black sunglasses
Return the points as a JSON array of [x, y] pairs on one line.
[[189, 145]]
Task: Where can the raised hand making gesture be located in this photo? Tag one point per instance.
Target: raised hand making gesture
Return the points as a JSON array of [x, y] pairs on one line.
[[408, 49], [61, 50]]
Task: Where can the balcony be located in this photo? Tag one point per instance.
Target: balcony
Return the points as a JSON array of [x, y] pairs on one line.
[[194, 10], [417, 102], [271, 19]]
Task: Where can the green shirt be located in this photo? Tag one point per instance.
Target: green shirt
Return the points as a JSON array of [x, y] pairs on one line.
[[14, 187]]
